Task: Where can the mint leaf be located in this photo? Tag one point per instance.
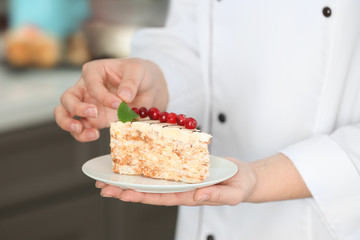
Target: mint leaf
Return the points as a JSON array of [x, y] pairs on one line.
[[126, 114]]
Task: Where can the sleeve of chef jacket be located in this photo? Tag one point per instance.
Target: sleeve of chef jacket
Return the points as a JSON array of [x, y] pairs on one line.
[[330, 167], [174, 48]]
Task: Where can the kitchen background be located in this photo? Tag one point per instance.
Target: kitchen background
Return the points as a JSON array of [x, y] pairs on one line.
[[43, 193]]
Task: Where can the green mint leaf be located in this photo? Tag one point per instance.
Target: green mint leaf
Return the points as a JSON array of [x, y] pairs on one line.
[[126, 114]]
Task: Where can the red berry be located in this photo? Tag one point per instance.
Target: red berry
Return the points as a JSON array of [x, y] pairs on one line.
[[190, 123], [171, 118], [154, 113], [180, 119], [136, 110], [143, 112], [163, 117]]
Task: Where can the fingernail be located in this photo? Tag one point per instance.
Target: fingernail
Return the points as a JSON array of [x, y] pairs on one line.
[[93, 135], [125, 94], [91, 112], [116, 105], [204, 198], [74, 127]]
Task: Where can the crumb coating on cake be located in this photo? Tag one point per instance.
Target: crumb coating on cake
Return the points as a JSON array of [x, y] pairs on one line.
[[159, 150]]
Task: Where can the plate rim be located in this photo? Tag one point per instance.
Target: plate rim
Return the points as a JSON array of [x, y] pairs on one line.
[[171, 188]]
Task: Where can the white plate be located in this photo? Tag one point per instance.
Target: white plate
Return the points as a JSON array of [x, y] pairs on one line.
[[100, 168]]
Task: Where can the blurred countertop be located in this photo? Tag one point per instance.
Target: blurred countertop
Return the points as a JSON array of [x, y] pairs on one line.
[[28, 97]]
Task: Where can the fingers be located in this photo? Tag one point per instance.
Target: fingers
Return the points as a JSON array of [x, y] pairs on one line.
[[133, 73], [72, 101], [95, 77], [109, 191], [72, 105], [218, 195], [162, 199], [99, 184], [86, 135], [214, 195], [66, 121], [75, 127], [111, 81]]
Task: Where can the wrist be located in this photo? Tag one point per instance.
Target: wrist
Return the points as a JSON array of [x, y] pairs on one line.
[[277, 179], [256, 193]]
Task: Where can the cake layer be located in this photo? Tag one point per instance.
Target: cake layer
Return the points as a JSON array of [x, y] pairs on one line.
[[159, 150]]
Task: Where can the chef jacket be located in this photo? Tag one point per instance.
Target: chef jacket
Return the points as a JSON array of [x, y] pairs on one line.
[[265, 77]]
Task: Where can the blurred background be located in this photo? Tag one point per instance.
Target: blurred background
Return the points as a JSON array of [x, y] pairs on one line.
[[43, 193]]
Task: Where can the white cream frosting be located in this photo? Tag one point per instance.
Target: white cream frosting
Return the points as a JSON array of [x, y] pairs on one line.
[[166, 130]]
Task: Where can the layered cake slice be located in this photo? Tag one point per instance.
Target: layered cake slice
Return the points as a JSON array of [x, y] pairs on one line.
[[159, 150]]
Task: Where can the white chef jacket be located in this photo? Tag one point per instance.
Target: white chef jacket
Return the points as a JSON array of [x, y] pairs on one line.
[[285, 75]]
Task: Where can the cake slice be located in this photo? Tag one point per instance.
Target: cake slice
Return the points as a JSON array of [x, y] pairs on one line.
[[159, 150]]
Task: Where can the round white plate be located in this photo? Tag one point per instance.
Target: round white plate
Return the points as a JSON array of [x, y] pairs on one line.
[[100, 168]]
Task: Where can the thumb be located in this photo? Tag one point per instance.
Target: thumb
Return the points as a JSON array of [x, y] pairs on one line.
[[133, 74]]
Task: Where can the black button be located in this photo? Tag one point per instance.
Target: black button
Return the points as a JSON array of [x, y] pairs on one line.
[[327, 11], [222, 118], [210, 237]]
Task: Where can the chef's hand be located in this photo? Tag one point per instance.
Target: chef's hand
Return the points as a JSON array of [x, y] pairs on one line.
[[230, 192], [103, 85], [270, 179]]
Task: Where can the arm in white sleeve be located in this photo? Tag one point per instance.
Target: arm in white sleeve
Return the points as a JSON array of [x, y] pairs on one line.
[[330, 167], [174, 48]]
